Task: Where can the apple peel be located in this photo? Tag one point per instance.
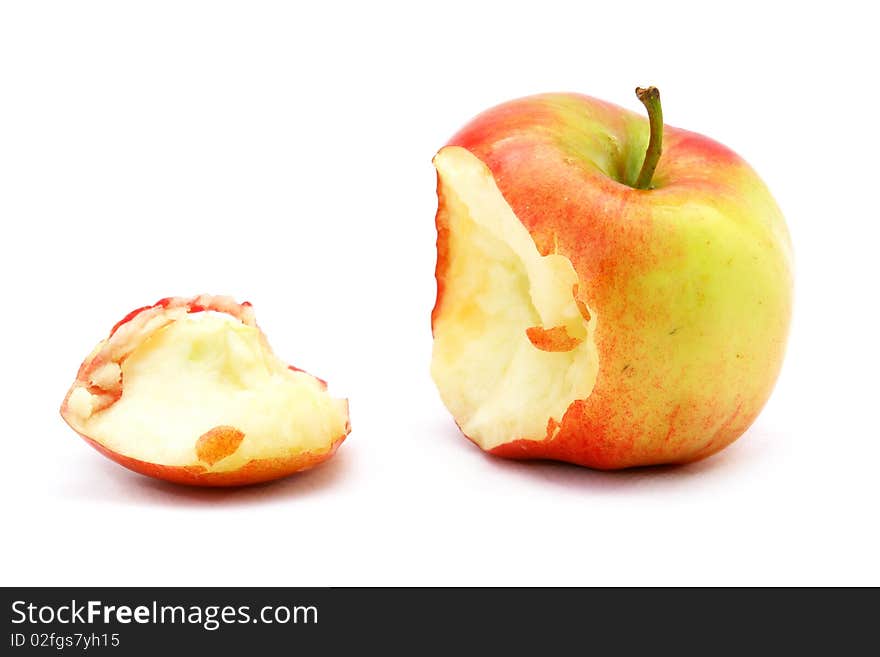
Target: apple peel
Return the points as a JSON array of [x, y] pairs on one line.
[[188, 390]]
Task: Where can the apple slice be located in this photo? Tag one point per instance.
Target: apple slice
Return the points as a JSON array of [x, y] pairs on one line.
[[188, 390]]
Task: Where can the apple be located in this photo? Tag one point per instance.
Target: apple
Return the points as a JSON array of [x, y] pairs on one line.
[[598, 302], [188, 390]]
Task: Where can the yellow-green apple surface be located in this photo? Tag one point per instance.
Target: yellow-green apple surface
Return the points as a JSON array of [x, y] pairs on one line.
[[611, 291]]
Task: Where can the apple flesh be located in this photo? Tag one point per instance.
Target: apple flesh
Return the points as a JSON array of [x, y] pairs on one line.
[[188, 390], [580, 319]]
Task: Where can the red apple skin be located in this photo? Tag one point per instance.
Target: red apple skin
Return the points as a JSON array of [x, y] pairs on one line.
[[253, 472], [639, 412]]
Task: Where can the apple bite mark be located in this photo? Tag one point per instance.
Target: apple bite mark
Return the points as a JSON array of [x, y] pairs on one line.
[[513, 346], [189, 390]]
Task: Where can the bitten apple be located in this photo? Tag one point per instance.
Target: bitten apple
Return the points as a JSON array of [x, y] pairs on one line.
[[188, 390], [598, 302]]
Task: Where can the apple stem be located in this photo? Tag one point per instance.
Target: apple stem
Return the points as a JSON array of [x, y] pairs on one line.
[[650, 98]]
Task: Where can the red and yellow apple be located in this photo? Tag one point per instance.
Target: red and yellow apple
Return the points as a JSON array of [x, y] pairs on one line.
[[591, 312], [188, 390]]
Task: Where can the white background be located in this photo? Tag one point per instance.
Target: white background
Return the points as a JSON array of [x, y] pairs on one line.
[[282, 154]]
